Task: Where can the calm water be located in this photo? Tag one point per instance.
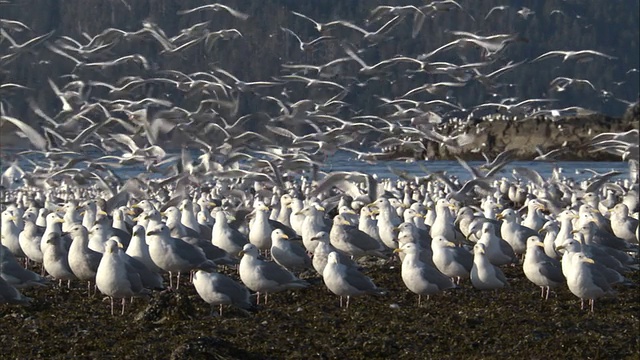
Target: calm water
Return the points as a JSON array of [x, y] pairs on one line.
[[345, 162], [342, 162]]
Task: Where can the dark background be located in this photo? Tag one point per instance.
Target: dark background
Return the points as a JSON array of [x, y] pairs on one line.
[[606, 26]]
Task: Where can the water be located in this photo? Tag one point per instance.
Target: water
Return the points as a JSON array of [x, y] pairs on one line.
[[570, 169], [343, 161]]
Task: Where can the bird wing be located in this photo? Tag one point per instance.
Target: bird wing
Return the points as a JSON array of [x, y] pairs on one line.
[[551, 271], [37, 140], [463, 257], [358, 280], [274, 272]]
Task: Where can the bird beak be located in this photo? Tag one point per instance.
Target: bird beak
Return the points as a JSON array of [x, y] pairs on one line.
[[82, 212], [120, 245], [152, 232], [588, 260], [241, 253], [574, 231], [162, 213], [540, 244], [450, 244], [560, 247], [135, 206], [285, 236], [102, 212], [542, 230], [59, 221], [398, 250]]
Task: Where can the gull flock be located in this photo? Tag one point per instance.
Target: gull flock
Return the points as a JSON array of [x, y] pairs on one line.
[[109, 191]]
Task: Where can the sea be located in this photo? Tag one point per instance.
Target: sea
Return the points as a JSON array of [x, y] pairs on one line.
[[344, 161]]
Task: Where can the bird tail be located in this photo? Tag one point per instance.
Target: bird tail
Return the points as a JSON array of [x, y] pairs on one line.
[[208, 266]]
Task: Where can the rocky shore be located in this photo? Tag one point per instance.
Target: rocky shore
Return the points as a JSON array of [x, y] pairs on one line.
[[463, 323], [495, 135]]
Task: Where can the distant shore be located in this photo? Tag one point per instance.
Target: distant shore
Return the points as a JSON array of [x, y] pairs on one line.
[[573, 133]]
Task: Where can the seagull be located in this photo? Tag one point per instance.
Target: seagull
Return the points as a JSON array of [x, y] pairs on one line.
[[377, 35], [11, 295], [175, 255], [484, 275], [264, 276], [541, 269], [496, 8], [218, 289], [115, 278], [304, 46], [216, 7], [320, 27], [419, 277], [580, 56], [346, 281]]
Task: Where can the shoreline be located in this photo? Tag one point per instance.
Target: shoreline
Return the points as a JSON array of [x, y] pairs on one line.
[[573, 133]]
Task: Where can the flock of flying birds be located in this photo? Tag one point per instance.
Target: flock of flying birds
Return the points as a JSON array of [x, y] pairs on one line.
[[147, 210]]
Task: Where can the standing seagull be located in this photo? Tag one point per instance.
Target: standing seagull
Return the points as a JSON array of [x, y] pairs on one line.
[[346, 281], [484, 275], [263, 276], [586, 282], [541, 269], [82, 260], [115, 278], [419, 277], [218, 289], [175, 255]]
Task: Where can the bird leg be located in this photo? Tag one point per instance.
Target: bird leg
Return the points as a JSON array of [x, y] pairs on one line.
[[542, 291], [220, 310], [592, 302], [68, 284], [419, 299], [266, 298], [111, 297], [581, 304], [340, 301], [257, 298], [170, 279], [548, 290], [178, 281], [89, 288], [348, 298], [124, 301]]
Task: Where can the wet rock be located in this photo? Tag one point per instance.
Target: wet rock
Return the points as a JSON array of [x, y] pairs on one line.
[[208, 348], [167, 305]]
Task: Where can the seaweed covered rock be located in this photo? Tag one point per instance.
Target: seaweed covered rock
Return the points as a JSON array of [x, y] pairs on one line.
[[633, 113], [167, 305], [207, 347]]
